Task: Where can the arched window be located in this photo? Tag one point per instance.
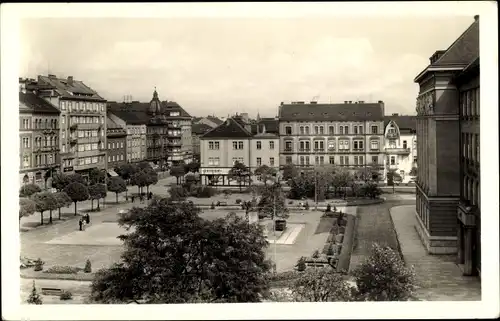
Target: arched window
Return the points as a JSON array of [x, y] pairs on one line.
[[46, 123], [45, 142], [55, 123]]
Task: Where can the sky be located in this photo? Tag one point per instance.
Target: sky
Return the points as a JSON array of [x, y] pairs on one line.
[[225, 65]]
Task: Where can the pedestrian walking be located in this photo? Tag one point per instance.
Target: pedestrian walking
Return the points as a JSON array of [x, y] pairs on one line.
[[132, 199], [87, 218], [150, 195], [81, 224]]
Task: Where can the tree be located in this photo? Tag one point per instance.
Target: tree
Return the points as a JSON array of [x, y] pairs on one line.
[[45, 201], [371, 190], [152, 178], [368, 173], [301, 186], [96, 176], [34, 297], [321, 285], [289, 171], [76, 178], [341, 180], [272, 201], [140, 179], [144, 166], [178, 172], [48, 174], [60, 181], [96, 192], [28, 190], [194, 167], [102, 192], [384, 277], [413, 171], [239, 172], [62, 200], [172, 255], [265, 173], [117, 185], [126, 171], [77, 192], [27, 207]]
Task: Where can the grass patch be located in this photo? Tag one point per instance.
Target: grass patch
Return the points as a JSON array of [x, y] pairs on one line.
[[325, 225]]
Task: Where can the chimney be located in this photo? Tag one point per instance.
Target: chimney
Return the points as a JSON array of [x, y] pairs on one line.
[[70, 80], [281, 103], [263, 129], [476, 17], [436, 56], [345, 102]]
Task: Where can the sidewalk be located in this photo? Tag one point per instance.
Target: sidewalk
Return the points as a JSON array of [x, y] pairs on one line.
[[440, 279]]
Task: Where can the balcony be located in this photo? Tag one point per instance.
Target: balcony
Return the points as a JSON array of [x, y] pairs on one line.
[[73, 141], [358, 150], [288, 150], [344, 151], [319, 150], [398, 151], [175, 134], [331, 149], [304, 150], [174, 143], [73, 127], [392, 135], [50, 131]]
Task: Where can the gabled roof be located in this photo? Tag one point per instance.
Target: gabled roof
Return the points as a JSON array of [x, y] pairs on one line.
[[137, 113], [215, 120], [70, 88], [271, 126], [406, 123], [463, 51], [30, 102], [331, 112], [200, 129], [229, 129], [110, 124], [169, 106]]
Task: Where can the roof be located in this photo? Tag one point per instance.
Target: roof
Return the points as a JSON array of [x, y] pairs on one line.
[[112, 125], [404, 122], [229, 129], [215, 120], [70, 88], [137, 113], [463, 51], [271, 126], [200, 129], [30, 102], [331, 112]]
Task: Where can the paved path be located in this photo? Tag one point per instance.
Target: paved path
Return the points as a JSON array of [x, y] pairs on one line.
[[440, 279]]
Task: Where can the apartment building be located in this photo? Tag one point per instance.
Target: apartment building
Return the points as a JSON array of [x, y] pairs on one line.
[[349, 134], [82, 122], [157, 131], [400, 145], [39, 138], [198, 130], [447, 204], [117, 146], [234, 141]]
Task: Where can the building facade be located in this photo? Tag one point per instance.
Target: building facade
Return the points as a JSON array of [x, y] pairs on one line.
[[117, 145], [38, 138], [82, 122], [439, 173], [158, 131], [198, 130], [401, 146], [349, 134], [237, 141]]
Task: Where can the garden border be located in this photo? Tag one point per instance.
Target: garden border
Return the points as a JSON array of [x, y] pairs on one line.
[[344, 258], [57, 276]]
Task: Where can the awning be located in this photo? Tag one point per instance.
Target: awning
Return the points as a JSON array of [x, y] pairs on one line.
[[112, 173]]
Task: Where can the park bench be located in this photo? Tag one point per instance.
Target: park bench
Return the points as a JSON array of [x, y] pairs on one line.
[[316, 264], [221, 203], [51, 291]]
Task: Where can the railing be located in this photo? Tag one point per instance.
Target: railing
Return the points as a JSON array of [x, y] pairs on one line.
[[397, 150], [304, 150], [392, 135], [288, 150]]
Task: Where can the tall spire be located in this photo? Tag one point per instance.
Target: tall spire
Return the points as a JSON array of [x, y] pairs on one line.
[[155, 104], [258, 116]]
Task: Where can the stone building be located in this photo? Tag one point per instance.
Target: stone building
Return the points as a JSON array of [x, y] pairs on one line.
[[117, 146], [38, 138], [349, 134], [448, 192], [234, 141], [82, 129], [401, 145]]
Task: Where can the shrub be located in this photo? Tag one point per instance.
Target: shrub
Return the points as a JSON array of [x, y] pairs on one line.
[[315, 254], [62, 269], [202, 191], [301, 264], [238, 201], [384, 277], [34, 297], [334, 209], [306, 206], [330, 251], [177, 193], [66, 295], [212, 207], [39, 264], [328, 208], [88, 267]]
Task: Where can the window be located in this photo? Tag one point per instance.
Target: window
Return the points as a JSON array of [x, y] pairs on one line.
[[392, 143], [374, 145], [26, 142], [322, 160], [63, 134], [109, 145], [342, 160], [302, 160], [301, 130], [319, 145], [304, 145], [109, 159], [288, 146], [316, 130], [307, 160], [332, 160], [361, 160], [240, 145], [94, 146], [346, 160], [358, 145], [88, 147], [259, 161], [343, 144], [356, 160], [360, 130], [374, 129], [321, 130], [331, 130], [346, 130], [259, 145], [415, 159], [341, 128], [393, 160], [288, 159], [271, 161], [331, 145], [271, 145], [405, 144], [356, 130], [26, 161], [288, 130]]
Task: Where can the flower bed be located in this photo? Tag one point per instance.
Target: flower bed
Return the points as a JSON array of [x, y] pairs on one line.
[[63, 269]]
